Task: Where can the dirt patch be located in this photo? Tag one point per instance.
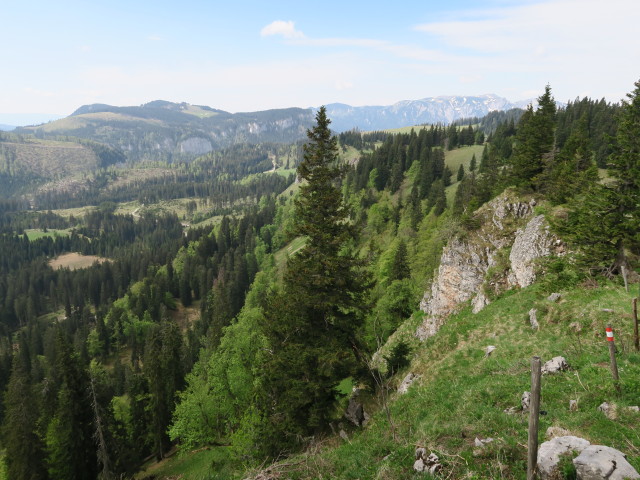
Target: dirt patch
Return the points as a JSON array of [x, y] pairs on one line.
[[75, 261]]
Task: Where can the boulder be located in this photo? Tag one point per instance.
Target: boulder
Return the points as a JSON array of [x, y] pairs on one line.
[[609, 410], [549, 453], [526, 401], [555, 365], [355, 413], [554, 297], [597, 462]]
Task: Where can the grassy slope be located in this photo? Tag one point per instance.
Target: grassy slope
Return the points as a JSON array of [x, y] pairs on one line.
[[462, 395]]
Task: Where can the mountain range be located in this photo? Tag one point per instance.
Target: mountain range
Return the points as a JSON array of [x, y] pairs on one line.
[[432, 110], [162, 130]]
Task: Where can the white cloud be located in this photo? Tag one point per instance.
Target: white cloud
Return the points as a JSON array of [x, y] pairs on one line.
[[280, 27], [343, 85], [154, 38]]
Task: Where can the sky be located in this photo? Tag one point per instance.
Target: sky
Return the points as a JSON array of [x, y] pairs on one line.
[[256, 55]]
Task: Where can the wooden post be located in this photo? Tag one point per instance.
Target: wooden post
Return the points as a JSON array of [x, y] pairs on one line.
[[624, 277], [534, 417], [636, 340], [612, 356]]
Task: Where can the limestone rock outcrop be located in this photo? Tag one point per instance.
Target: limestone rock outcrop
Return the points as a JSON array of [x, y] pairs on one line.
[[505, 222]]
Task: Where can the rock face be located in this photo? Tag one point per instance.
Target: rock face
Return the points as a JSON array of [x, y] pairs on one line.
[[505, 223], [534, 241], [549, 453], [597, 462], [195, 145]]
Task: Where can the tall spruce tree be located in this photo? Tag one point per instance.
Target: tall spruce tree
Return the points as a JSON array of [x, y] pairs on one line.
[[535, 139], [312, 324]]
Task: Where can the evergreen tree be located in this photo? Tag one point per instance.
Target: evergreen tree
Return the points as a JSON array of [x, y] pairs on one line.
[[70, 443], [312, 325], [400, 265], [534, 140], [460, 174], [163, 369], [24, 449], [472, 166]]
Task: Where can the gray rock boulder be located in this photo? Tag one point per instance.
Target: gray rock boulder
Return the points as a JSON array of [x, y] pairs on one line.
[[597, 462], [555, 365], [554, 297], [549, 453]]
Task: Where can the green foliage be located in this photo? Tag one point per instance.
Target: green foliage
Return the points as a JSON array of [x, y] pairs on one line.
[[566, 468], [398, 358], [311, 325]]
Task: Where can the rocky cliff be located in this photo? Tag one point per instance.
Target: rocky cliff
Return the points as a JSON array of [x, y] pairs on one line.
[[499, 255]]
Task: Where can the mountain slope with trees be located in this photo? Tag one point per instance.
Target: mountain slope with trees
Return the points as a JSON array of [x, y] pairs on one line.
[[242, 341]]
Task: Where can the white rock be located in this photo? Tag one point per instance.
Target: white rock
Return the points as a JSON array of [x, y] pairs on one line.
[[550, 451], [556, 364], [554, 297], [597, 462], [481, 442], [488, 350], [525, 400], [407, 382], [533, 319], [573, 405], [609, 409]]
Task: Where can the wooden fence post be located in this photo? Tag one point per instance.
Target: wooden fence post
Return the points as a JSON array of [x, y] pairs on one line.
[[636, 339], [534, 417], [612, 357]]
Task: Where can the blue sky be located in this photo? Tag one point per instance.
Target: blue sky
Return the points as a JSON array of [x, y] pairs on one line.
[[255, 55]]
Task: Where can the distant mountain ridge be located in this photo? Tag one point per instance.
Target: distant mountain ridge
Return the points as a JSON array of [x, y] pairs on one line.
[[162, 130], [430, 110]]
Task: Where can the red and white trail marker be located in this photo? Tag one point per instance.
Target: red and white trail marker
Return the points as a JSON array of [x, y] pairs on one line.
[[609, 334]]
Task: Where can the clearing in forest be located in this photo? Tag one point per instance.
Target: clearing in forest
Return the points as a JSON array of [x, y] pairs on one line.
[[75, 261]]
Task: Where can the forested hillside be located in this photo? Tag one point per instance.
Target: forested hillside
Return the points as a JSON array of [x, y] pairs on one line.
[[235, 303]]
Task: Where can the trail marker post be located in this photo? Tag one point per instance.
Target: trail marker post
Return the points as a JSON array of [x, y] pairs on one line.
[[534, 417], [612, 357], [636, 339]]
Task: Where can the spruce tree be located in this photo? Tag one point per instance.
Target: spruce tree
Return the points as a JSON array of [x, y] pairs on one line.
[[312, 325], [24, 448]]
